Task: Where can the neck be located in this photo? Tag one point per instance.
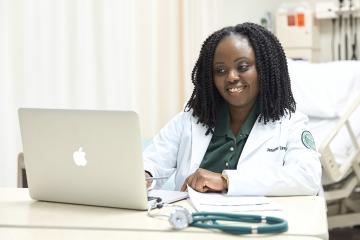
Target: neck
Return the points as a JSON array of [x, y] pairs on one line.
[[239, 115]]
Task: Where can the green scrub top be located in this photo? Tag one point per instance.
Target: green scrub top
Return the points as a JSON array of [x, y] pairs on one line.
[[225, 148]]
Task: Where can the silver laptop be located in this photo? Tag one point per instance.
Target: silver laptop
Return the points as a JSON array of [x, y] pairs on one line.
[[87, 157]]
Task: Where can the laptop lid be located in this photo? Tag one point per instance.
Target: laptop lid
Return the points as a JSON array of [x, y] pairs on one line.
[[87, 157]]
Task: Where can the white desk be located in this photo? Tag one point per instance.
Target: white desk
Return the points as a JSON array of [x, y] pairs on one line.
[[23, 218]]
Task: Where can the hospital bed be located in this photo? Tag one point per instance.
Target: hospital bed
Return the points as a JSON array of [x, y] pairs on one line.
[[329, 93]]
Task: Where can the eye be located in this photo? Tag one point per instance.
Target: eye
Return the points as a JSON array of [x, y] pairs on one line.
[[243, 67], [219, 70]]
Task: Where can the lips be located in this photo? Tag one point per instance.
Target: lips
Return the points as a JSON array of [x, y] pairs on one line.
[[236, 89]]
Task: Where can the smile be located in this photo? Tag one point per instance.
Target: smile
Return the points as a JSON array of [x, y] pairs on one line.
[[236, 89]]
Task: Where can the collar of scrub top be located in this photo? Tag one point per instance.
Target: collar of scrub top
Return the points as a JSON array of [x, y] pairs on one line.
[[222, 125]]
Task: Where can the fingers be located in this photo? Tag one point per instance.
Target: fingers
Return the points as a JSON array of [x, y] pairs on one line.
[[203, 181], [149, 181], [187, 180], [184, 187], [196, 182], [192, 181]]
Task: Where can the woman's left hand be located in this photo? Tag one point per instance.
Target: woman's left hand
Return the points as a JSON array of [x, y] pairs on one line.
[[203, 180]]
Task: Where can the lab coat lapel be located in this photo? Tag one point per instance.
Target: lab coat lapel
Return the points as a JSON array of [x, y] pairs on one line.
[[200, 143], [259, 134]]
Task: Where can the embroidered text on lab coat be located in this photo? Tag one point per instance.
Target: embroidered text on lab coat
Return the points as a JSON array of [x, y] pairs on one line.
[[277, 148]]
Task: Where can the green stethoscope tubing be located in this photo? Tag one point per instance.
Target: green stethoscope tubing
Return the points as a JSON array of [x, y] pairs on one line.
[[274, 224]]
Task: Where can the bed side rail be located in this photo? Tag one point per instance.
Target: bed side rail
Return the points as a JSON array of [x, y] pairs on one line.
[[333, 170]]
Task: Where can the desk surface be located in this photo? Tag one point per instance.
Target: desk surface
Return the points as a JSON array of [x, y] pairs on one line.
[[23, 218]]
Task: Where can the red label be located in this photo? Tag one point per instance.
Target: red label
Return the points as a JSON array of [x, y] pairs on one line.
[[300, 20], [291, 20]]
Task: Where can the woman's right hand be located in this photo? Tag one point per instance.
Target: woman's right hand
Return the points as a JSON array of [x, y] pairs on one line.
[[149, 181]]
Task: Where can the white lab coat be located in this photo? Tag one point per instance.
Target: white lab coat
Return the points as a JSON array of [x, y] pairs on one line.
[[265, 167]]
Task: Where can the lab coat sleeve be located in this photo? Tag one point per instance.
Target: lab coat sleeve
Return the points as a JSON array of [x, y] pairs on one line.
[[300, 173], [160, 156]]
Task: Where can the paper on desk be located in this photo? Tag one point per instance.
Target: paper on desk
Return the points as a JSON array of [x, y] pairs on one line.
[[218, 202], [168, 196]]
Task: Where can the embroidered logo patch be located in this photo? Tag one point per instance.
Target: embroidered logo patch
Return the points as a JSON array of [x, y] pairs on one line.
[[308, 140]]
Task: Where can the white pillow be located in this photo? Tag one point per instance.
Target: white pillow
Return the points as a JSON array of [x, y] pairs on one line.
[[324, 89]]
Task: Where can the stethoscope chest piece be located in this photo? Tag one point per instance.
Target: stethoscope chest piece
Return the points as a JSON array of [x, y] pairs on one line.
[[180, 218]]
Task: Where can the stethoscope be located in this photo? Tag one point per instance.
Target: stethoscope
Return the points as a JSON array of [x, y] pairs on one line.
[[181, 218]]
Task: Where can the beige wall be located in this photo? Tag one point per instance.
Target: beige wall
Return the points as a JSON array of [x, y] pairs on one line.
[[232, 12]]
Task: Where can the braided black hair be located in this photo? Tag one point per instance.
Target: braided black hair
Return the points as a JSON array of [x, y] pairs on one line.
[[275, 96]]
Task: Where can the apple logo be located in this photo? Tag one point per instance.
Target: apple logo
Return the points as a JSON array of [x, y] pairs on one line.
[[79, 157]]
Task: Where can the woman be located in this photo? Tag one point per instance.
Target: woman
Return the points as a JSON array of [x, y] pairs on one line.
[[239, 132]]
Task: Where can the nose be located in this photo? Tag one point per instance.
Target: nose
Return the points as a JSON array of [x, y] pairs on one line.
[[233, 75]]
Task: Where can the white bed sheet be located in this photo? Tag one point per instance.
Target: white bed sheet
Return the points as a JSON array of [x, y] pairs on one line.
[[323, 89]]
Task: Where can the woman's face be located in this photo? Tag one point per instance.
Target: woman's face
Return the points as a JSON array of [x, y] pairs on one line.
[[234, 71]]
